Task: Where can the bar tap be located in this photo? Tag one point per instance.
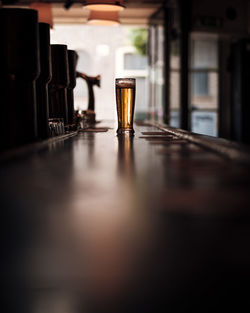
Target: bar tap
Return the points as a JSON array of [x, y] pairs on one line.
[[43, 81], [72, 59], [58, 106], [20, 68], [91, 82]]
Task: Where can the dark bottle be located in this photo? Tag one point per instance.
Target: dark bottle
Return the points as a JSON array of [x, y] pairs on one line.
[[43, 81], [58, 107], [19, 69]]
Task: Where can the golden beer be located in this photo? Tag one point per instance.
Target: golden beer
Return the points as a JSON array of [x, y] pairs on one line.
[[125, 101]]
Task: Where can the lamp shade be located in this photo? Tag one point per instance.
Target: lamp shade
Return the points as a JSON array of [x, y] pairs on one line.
[[104, 5], [103, 18]]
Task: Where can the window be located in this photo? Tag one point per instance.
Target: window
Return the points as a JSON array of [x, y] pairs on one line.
[[134, 62], [131, 64], [200, 84], [204, 84], [174, 97], [156, 47]]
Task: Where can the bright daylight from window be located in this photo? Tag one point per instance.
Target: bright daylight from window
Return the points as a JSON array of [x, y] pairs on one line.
[[110, 52]]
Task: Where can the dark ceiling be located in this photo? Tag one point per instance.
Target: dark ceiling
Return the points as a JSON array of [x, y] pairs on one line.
[[137, 12], [128, 2]]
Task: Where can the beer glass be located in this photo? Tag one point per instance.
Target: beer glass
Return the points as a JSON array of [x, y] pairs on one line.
[[125, 102]]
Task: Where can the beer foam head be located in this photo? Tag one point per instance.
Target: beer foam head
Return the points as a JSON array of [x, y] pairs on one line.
[[125, 82]]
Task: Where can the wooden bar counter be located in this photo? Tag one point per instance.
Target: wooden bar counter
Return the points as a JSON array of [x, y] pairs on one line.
[[97, 223]]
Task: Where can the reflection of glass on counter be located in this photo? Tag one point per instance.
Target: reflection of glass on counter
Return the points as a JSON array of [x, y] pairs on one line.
[[126, 163]]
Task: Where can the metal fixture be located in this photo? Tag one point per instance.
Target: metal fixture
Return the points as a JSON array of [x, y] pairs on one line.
[[68, 4], [91, 81]]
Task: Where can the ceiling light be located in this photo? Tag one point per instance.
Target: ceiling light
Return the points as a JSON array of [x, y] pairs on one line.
[[104, 5], [103, 18]]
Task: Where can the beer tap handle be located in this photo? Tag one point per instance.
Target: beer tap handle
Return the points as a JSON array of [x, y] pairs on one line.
[[91, 81]]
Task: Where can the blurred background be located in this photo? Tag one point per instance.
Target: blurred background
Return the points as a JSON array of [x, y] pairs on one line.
[[190, 59], [110, 51]]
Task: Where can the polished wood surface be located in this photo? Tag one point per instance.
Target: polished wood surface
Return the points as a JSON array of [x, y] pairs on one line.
[[97, 223]]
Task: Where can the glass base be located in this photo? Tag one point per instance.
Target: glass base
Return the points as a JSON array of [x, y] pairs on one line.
[[124, 131]]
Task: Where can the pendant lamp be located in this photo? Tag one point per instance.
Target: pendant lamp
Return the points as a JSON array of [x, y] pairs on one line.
[[103, 18], [104, 5]]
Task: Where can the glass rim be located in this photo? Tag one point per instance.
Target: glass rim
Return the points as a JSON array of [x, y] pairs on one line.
[[125, 78], [125, 82]]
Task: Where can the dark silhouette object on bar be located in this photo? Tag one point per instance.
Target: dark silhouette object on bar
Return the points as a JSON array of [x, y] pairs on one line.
[[43, 81], [58, 106], [20, 67], [72, 59], [91, 82]]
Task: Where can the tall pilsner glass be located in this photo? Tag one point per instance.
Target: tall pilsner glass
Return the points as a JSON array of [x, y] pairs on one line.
[[125, 101]]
